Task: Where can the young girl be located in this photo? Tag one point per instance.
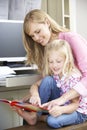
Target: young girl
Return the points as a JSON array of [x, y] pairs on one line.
[[59, 64]]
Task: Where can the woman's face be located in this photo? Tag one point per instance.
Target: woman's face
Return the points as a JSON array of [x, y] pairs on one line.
[[40, 33]]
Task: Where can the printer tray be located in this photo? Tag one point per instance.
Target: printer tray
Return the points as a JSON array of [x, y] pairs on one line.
[[22, 80]]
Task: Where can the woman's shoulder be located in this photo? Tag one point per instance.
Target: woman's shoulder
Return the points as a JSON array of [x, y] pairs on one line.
[[68, 34]]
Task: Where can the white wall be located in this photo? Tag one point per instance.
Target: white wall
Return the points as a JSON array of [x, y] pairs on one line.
[[81, 17]]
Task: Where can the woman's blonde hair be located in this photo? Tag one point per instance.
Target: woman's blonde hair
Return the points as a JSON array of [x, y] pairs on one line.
[[35, 51], [64, 50]]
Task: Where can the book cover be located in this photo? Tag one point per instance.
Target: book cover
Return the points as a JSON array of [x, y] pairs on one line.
[[25, 106]]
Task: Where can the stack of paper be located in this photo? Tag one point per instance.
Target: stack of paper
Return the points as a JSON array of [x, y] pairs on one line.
[[5, 72]]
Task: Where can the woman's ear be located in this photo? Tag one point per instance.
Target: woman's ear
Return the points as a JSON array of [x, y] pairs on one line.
[[47, 22]]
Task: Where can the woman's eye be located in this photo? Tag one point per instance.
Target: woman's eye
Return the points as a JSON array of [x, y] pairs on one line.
[[32, 36], [38, 31], [50, 62]]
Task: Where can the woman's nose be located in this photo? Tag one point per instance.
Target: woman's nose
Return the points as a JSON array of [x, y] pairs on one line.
[[36, 37]]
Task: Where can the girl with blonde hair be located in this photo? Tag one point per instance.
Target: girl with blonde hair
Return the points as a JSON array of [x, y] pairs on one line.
[[63, 49], [59, 63]]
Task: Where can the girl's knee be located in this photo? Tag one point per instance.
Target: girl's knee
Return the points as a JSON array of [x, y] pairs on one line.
[[48, 78], [51, 121]]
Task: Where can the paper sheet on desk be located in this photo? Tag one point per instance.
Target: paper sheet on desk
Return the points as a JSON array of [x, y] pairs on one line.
[[6, 71]]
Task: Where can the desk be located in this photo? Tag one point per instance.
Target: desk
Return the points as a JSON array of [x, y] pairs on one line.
[[7, 115], [17, 88], [43, 126]]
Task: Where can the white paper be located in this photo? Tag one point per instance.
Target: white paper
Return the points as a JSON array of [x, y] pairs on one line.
[[6, 71], [13, 59]]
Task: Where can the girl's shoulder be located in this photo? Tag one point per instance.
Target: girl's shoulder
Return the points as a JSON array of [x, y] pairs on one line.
[[73, 79], [75, 74]]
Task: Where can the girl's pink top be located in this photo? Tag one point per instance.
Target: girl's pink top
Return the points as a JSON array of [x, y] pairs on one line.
[[66, 85], [79, 49]]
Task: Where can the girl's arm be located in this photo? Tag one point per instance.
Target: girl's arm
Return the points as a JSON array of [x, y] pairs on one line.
[[71, 94], [67, 109]]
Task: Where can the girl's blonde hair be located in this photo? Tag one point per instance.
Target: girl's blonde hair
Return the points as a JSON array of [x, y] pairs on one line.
[[64, 50], [35, 51]]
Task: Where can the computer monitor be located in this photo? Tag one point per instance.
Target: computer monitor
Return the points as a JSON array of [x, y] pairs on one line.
[[11, 41]]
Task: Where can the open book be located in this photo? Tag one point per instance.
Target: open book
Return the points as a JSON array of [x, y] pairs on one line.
[[25, 106]]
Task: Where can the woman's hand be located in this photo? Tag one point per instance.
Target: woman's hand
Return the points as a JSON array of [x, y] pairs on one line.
[[50, 104], [35, 99], [33, 95], [55, 111], [26, 98]]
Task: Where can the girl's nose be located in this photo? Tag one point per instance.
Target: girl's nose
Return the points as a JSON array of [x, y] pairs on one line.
[[55, 65]]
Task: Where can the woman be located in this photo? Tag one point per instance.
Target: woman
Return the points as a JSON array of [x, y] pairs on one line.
[[39, 29]]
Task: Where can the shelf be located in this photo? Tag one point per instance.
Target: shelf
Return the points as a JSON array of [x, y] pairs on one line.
[[67, 23], [66, 7], [66, 16]]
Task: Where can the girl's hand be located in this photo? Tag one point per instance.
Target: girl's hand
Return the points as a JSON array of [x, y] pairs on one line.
[[55, 111], [35, 99]]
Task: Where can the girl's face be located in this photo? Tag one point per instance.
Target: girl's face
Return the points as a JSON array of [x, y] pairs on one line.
[[40, 33], [56, 62]]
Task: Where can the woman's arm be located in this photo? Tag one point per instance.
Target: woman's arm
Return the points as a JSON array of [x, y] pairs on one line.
[[79, 48], [67, 96], [66, 109], [33, 95], [61, 100]]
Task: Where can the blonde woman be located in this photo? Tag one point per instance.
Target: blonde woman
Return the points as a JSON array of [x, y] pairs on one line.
[[38, 30]]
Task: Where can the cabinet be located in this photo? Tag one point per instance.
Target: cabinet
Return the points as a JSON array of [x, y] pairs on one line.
[[63, 11], [8, 117]]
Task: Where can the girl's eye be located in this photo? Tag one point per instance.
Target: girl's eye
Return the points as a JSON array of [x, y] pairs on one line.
[[58, 61]]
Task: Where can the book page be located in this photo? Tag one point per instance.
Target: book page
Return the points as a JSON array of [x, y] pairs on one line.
[[26, 106]]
